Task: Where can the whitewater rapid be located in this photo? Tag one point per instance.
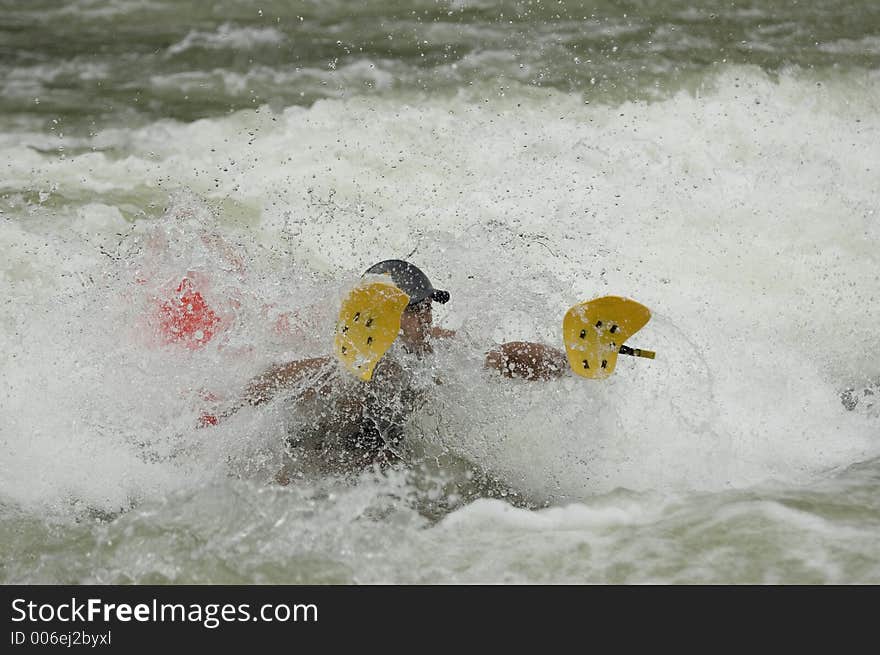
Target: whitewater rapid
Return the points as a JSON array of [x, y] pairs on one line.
[[744, 214]]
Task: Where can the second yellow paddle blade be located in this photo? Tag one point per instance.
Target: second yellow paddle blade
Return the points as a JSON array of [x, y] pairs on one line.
[[368, 323], [594, 331]]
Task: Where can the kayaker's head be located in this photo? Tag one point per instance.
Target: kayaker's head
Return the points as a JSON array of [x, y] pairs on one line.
[[417, 318]]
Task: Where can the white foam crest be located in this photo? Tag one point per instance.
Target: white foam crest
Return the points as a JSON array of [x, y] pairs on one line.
[[866, 46], [101, 9], [32, 81], [331, 81], [490, 513], [228, 36]]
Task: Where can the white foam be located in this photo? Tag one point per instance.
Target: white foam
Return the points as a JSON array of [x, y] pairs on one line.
[[324, 82], [487, 513], [866, 46], [228, 36]]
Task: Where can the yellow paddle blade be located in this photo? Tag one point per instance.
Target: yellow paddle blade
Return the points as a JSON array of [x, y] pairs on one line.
[[594, 331], [368, 323]]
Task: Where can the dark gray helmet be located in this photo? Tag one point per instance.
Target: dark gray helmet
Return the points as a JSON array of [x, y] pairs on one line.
[[410, 280]]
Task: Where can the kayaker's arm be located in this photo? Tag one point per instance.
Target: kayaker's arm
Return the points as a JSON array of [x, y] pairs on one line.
[[280, 377], [441, 333], [527, 361]]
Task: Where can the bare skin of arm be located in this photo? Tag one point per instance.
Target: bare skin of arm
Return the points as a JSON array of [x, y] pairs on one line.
[[527, 361], [441, 333], [279, 377]]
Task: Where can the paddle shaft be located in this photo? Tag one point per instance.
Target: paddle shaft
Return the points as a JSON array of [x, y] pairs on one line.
[[636, 352]]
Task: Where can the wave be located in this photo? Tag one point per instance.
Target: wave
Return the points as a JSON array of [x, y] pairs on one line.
[[743, 213], [228, 36]]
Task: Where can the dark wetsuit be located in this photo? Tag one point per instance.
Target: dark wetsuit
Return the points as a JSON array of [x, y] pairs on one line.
[[357, 423]]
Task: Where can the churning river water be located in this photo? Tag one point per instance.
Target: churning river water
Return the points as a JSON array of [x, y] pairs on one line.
[[717, 162]]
